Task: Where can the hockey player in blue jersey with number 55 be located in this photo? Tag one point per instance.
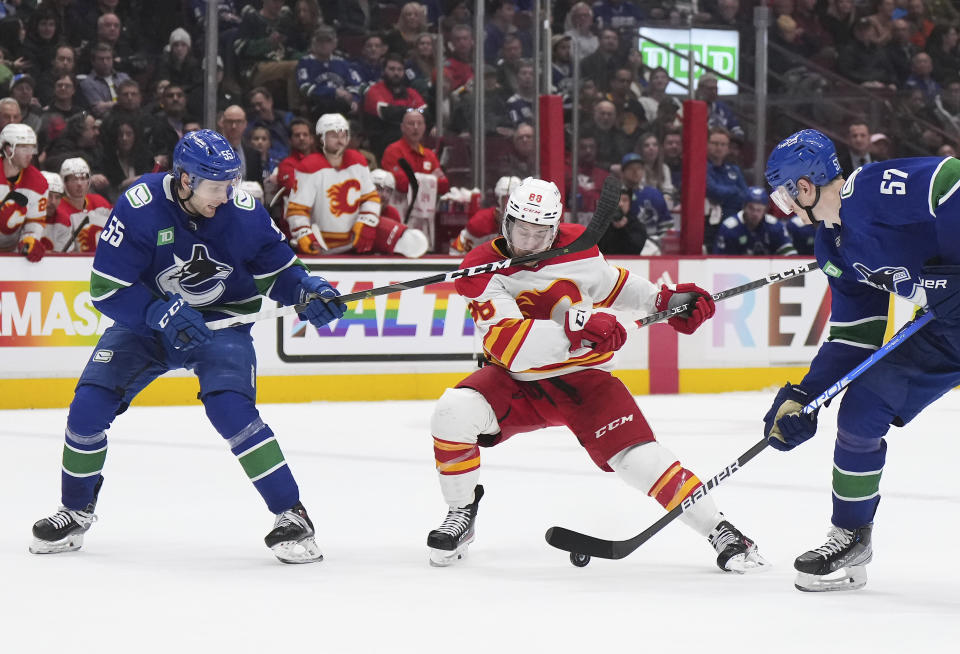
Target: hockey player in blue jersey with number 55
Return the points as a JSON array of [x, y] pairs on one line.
[[180, 249], [892, 227]]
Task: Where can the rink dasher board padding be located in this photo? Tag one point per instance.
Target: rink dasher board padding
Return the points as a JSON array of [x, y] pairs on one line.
[[415, 343]]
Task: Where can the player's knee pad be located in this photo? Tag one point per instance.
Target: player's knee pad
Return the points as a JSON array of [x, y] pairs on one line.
[[412, 244], [231, 413], [92, 410], [855, 442], [461, 414], [642, 465], [862, 420]]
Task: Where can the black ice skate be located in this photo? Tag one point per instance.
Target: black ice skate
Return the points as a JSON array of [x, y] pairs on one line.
[[838, 564], [735, 552], [64, 530], [291, 538], [448, 543]]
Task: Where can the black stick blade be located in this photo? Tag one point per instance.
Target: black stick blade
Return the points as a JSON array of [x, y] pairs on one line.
[[572, 541], [606, 208]]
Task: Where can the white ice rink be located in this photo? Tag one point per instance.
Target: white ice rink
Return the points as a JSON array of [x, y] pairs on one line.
[[177, 562]]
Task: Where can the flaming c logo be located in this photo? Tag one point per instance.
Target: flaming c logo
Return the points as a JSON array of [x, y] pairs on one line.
[[11, 217], [339, 195], [540, 304]]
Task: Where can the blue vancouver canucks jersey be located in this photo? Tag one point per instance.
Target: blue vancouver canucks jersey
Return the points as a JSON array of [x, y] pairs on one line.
[[896, 216], [151, 248]]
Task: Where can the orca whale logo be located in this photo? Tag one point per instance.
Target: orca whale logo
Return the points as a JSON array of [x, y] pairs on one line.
[[198, 280], [886, 278]]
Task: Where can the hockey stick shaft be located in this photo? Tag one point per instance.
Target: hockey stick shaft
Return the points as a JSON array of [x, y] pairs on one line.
[[414, 186], [598, 225], [76, 232], [773, 278], [277, 196], [572, 541]]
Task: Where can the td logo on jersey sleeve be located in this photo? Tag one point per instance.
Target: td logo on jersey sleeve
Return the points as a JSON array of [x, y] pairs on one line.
[[198, 280]]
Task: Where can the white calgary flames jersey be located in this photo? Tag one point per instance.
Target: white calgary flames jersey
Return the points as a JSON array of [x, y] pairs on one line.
[[23, 208], [520, 311], [333, 198], [86, 221]]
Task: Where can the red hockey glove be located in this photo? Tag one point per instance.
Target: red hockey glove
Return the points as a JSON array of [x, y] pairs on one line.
[[599, 331], [306, 241], [32, 248], [88, 237], [365, 233], [701, 303]]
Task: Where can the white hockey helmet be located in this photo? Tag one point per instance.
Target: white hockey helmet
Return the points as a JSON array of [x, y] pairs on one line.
[[532, 216], [54, 182], [383, 178], [17, 134], [505, 186], [74, 166], [332, 123], [386, 184]]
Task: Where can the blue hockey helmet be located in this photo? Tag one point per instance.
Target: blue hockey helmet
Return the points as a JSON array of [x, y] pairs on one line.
[[757, 194], [807, 153], [206, 155]]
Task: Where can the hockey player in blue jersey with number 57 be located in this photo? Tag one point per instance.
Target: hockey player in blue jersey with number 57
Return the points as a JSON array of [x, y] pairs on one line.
[[892, 227], [180, 249]]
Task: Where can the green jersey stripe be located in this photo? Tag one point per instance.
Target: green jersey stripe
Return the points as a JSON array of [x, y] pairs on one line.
[[102, 287], [857, 486], [943, 183], [868, 333], [266, 281], [83, 464], [261, 459]]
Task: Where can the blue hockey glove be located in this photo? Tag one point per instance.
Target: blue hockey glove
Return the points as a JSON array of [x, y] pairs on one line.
[[182, 325], [942, 284], [785, 425], [319, 311]]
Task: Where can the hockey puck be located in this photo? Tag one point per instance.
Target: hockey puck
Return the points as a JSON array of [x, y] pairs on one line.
[[579, 560]]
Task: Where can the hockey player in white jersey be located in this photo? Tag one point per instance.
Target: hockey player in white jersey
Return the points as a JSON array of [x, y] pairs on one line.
[[549, 345], [55, 192], [336, 209], [387, 190], [81, 215], [23, 194], [484, 225]]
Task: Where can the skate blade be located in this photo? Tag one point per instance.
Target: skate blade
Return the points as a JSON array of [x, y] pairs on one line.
[[849, 578], [302, 551], [750, 561], [71, 543], [444, 558]]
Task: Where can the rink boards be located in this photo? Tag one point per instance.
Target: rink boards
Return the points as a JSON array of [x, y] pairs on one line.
[[413, 344]]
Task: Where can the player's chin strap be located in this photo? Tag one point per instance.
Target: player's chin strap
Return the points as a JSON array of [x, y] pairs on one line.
[[816, 199], [809, 209], [183, 201]]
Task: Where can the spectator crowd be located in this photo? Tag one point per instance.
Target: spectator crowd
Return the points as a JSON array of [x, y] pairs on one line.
[[331, 106]]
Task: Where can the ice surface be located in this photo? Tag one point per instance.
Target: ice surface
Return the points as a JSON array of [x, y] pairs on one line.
[[177, 561]]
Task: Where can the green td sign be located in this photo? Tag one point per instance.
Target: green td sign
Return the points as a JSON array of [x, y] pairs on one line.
[[717, 49]]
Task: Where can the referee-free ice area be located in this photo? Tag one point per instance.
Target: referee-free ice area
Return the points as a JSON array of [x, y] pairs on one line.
[[176, 562]]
